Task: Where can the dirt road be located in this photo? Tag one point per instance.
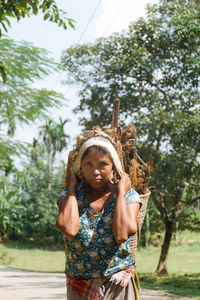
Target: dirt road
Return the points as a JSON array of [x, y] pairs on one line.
[[23, 285]]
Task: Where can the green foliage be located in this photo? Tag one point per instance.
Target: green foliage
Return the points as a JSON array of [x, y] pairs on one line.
[[54, 140], [152, 227], [3, 71], [149, 66], [25, 8], [11, 211], [189, 218], [31, 214], [20, 101], [153, 68], [53, 136], [28, 208], [40, 205]]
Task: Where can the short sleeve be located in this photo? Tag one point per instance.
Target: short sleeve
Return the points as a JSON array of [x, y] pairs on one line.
[[133, 197], [62, 194]]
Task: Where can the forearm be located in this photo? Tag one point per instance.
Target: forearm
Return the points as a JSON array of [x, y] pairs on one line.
[[124, 221], [68, 219]]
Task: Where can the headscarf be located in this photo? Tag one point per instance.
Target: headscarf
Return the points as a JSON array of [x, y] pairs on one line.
[[104, 142]]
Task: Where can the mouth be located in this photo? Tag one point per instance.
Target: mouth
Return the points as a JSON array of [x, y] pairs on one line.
[[97, 179]]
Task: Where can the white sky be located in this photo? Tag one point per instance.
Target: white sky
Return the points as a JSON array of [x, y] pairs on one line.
[[110, 16]]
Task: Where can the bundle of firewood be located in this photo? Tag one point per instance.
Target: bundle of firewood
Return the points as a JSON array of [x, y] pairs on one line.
[[124, 141]]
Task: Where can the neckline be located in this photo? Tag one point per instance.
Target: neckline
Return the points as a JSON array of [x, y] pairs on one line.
[[91, 209]]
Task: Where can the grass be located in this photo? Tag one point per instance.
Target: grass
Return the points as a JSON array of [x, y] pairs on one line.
[[183, 263], [182, 285], [27, 257], [183, 266], [182, 259]]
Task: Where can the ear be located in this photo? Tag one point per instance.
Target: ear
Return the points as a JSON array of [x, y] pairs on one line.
[[112, 175], [115, 173], [80, 174]]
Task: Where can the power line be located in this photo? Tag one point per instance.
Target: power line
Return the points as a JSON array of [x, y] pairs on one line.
[[115, 16], [90, 19], [82, 34], [109, 26]]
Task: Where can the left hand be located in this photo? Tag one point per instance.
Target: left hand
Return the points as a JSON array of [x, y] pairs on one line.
[[124, 184], [72, 182]]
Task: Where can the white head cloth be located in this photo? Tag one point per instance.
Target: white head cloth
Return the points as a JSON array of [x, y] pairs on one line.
[[105, 144]]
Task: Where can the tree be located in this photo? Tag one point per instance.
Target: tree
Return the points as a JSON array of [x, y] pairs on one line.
[[153, 68], [54, 140], [27, 210], [36, 152], [25, 8], [10, 210], [20, 101], [28, 198]]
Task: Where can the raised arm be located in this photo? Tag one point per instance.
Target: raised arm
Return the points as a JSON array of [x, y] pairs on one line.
[[125, 216], [68, 218]]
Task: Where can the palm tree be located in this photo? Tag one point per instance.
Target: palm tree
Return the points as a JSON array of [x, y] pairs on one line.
[[36, 150], [55, 140]]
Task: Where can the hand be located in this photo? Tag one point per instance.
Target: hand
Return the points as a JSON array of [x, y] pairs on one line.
[[72, 182], [61, 203], [124, 184]]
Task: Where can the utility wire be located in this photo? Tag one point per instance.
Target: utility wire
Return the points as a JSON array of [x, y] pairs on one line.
[[80, 38], [115, 16], [90, 19], [84, 30], [109, 26]]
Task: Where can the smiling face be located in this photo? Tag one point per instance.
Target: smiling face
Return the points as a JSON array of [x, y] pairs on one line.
[[97, 168]]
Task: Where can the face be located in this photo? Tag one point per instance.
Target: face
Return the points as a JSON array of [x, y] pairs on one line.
[[97, 168]]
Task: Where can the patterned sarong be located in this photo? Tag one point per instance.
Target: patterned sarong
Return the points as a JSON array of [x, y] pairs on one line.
[[93, 289]]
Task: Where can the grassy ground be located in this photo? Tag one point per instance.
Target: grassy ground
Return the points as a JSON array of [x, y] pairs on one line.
[[183, 264], [182, 285], [28, 257], [182, 259]]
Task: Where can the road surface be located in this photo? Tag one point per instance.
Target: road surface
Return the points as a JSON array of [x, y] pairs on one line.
[[23, 285]]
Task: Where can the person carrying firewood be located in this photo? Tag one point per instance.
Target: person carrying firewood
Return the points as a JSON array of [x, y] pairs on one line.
[[97, 216]]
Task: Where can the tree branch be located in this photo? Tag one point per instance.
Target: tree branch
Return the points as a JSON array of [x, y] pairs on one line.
[[161, 208], [191, 201], [183, 205]]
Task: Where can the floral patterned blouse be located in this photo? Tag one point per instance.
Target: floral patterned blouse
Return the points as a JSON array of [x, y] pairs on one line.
[[93, 252]]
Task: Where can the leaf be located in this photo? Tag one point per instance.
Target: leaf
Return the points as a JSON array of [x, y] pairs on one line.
[[35, 7], [60, 23], [46, 16], [11, 194], [3, 71], [71, 23], [4, 26]]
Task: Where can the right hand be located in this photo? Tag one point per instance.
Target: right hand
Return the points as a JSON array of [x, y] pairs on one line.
[[124, 184], [72, 181]]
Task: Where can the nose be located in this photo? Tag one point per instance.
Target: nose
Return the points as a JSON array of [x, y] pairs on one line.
[[96, 171]]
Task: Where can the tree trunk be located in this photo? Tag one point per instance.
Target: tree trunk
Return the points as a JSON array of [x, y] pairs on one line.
[[49, 166], [162, 264], [146, 242], [176, 238]]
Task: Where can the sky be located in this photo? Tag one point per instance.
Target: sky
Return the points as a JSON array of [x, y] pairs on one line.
[[94, 19]]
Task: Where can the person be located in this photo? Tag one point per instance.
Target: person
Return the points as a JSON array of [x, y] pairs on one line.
[[97, 216]]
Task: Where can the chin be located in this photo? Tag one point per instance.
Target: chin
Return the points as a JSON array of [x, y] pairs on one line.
[[97, 184]]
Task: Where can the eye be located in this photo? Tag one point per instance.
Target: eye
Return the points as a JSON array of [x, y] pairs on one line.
[[89, 164], [103, 164]]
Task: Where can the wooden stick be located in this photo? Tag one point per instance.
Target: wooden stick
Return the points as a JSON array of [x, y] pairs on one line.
[[139, 158], [115, 116]]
